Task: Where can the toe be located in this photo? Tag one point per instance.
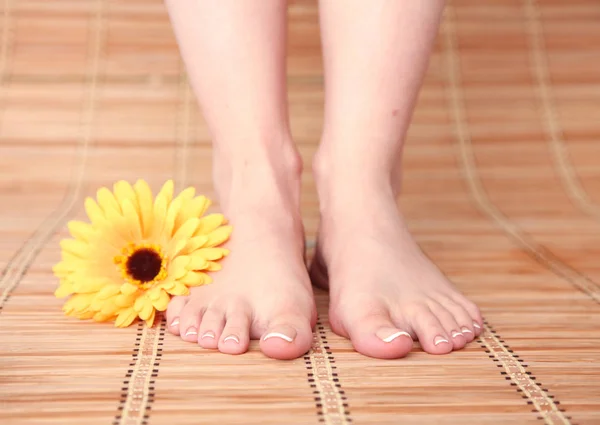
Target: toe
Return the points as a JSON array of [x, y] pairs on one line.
[[376, 336], [461, 317], [287, 337], [473, 311], [211, 327], [449, 324], [235, 337], [174, 312], [432, 335], [189, 319]]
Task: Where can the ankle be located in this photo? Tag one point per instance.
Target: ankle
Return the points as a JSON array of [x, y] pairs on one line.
[[261, 174], [342, 181]]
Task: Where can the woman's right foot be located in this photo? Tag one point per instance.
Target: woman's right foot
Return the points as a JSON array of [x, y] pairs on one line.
[[263, 290]]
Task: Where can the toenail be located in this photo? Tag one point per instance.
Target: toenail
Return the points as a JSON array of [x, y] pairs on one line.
[[439, 339], [233, 338], [456, 334], [191, 331], [476, 325], [390, 334], [278, 335], [208, 334], [466, 330], [175, 322]]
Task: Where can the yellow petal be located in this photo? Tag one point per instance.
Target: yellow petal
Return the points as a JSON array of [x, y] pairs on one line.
[[144, 195], [109, 291], [124, 191], [140, 303], [212, 253], [194, 243], [167, 191], [150, 320], [94, 212], [159, 216], [213, 267], [219, 236], [186, 231], [64, 290], [182, 235], [101, 317], [110, 308], [178, 248], [125, 318], [86, 315], [132, 220], [209, 223], [178, 266], [81, 230], [79, 302], [162, 301], [87, 286], [119, 224], [178, 289], [195, 279], [198, 262], [146, 311], [172, 211], [125, 300], [128, 288], [194, 208], [107, 200], [76, 247]]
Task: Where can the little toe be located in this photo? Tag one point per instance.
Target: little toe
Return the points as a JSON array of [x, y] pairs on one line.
[[450, 325], [211, 328], [287, 337], [432, 335], [173, 312], [189, 319], [461, 317], [376, 336], [235, 337], [476, 319]]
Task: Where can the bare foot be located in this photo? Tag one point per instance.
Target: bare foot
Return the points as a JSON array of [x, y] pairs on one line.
[[385, 292], [263, 290]]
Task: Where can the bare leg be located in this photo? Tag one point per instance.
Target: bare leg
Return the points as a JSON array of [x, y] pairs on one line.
[[235, 55], [383, 288]]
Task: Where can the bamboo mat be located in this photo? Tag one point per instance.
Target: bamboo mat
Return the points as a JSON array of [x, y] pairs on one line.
[[502, 189]]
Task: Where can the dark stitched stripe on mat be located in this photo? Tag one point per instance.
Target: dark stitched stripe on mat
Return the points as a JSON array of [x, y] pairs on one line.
[[330, 399], [137, 392], [513, 368]]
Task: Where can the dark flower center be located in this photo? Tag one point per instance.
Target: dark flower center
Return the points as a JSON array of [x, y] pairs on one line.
[[144, 265]]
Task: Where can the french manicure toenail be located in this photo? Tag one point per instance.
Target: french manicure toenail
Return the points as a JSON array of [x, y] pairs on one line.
[[233, 338], [390, 334], [439, 339], [466, 330], [191, 331], [456, 334], [278, 335], [475, 324], [208, 334], [175, 322]]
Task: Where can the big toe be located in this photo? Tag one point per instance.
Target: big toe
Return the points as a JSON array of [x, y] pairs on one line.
[[287, 337], [377, 336]]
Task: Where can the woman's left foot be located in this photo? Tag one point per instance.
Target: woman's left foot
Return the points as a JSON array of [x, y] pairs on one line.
[[384, 291]]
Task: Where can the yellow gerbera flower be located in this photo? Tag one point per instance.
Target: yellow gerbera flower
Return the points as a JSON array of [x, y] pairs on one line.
[[137, 252]]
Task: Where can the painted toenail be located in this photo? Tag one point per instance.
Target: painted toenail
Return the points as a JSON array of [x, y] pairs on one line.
[[175, 322], [466, 330], [233, 338], [278, 335], [208, 334], [390, 334], [476, 325], [439, 339], [456, 334], [191, 331]]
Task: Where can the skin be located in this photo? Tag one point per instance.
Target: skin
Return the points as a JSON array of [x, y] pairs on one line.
[[385, 292]]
